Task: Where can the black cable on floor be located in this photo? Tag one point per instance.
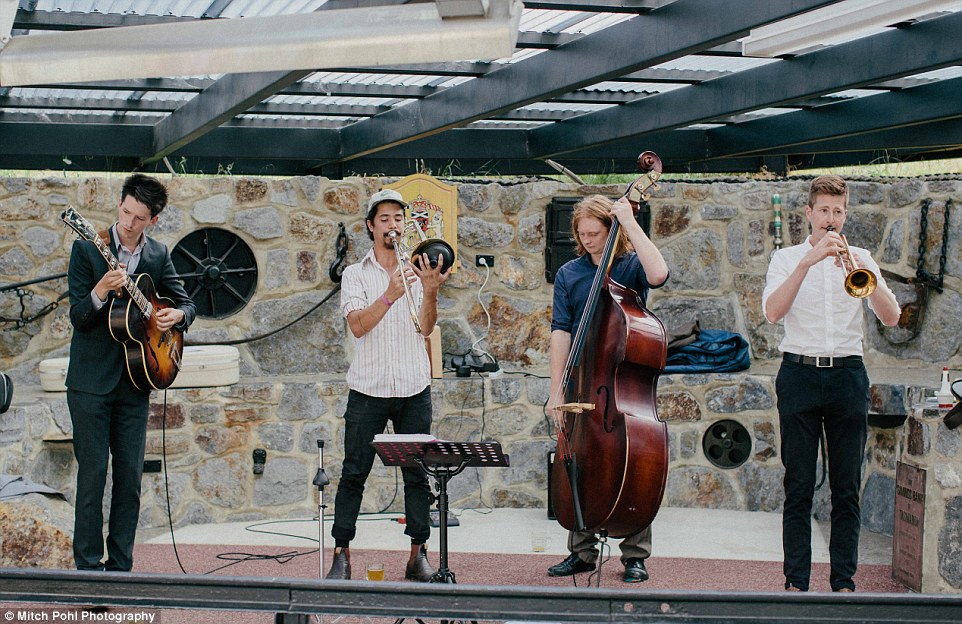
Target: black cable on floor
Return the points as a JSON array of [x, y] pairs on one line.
[[234, 558]]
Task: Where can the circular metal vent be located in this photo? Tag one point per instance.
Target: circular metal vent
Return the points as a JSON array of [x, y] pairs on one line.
[[218, 269], [727, 444]]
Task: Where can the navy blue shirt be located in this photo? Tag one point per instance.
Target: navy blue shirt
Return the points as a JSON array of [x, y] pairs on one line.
[[572, 284]]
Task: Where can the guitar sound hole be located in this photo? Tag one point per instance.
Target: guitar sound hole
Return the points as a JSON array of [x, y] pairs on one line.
[[219, 271]]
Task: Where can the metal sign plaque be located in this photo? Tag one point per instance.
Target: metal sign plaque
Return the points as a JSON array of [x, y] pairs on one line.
[[909, 526]]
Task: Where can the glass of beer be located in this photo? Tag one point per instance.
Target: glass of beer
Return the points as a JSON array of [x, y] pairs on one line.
[[375, 572]]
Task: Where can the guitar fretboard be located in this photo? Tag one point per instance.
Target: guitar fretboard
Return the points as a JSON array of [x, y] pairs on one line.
[[138, 297], [85, 230]]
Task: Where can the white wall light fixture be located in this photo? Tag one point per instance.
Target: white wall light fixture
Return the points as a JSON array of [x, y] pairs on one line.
[[450, 30]]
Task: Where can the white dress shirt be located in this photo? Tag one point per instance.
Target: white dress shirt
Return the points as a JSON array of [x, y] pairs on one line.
[[823, 320], [391, 359]]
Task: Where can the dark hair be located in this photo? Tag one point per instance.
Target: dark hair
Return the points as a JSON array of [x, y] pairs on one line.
[[146, 190], [373, 213]]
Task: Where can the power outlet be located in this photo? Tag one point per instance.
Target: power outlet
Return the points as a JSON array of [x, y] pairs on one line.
[[152, 465], [484, 260]]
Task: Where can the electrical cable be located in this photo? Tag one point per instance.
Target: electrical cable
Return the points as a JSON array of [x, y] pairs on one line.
[[474, 346], [234, 558], [238, 341], [163, 446]]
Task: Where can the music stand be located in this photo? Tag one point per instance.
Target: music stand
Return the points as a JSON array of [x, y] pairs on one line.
[[443, 461]]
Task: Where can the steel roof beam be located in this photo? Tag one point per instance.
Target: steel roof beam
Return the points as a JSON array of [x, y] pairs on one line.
[[79, 20], [196, 85], [680, 28], [123, 105], [925, 136], [925, 104], [229, 96], [928, 45]]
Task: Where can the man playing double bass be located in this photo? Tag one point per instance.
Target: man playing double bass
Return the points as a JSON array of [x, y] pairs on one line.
[[641, 269]]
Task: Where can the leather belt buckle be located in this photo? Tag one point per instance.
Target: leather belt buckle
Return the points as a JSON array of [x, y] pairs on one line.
[[819, 359]]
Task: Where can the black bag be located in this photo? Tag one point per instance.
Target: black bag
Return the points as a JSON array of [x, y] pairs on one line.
[[6, 392]]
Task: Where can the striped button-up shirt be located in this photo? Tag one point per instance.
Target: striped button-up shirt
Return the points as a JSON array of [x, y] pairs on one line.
[[390, 360]]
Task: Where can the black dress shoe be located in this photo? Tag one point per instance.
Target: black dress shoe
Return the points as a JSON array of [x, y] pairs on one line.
[[419, 569], [635, 571], [572, 565], [340, 567]]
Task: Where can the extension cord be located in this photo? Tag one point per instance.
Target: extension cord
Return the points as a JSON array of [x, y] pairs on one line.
[[474, 363]]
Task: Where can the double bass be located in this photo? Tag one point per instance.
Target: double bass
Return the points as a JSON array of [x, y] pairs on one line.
[[611, 464]]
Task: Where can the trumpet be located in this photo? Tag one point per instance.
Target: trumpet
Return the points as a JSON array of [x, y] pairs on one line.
[[433, 247], [859, 282]]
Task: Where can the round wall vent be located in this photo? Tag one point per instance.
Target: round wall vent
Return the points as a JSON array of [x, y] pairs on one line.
[[218, 269], [727, 444]]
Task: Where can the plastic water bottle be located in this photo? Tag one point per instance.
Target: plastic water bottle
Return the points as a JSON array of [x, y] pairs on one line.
[[944, 394]]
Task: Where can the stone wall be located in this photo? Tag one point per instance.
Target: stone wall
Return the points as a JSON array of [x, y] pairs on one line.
[[716, 236]]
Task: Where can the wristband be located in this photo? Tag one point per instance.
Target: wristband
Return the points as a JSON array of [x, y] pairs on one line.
[[387, 301]]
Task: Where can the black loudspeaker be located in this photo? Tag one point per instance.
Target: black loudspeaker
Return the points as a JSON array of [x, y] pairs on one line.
[[559, 245]]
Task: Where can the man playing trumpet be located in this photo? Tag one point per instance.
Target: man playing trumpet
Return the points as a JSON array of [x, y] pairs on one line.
[[389, 377], [822, 383]]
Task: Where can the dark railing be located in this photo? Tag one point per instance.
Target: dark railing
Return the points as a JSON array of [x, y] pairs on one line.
[[25, 294], [292, 599]]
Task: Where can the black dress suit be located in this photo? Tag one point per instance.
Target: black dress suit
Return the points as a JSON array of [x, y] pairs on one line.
[[108, 412]]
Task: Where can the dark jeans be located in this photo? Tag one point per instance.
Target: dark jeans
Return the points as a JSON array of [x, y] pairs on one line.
[[365, 417], [106, 426], [810, 399]]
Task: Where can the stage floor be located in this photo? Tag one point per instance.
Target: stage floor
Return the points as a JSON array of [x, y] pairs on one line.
[[695, 550], [677, 533]]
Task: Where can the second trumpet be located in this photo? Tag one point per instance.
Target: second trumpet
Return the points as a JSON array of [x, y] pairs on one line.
[[859, 282]]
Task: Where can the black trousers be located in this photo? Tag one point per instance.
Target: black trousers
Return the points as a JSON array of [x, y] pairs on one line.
[[110, 426], [365, 417], [811, 399]]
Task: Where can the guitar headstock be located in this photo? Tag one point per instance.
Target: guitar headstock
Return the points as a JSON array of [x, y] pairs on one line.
[[78, 224]]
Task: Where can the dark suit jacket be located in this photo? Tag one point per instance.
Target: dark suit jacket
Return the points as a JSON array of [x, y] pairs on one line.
[[97, 360]]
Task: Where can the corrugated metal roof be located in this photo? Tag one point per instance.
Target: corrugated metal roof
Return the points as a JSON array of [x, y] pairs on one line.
[[337, 98]]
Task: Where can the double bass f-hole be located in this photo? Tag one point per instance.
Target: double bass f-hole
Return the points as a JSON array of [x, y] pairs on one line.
[[609, 427]]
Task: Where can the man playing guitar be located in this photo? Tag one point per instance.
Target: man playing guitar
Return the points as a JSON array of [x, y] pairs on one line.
[[108, 411]]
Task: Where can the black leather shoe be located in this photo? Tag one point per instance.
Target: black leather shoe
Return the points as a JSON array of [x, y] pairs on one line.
[[635, 571], [572, 565], [340, 567], [419, 569]]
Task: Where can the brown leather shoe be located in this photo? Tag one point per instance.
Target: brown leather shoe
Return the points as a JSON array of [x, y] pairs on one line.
[[341, 566], [419, 569]]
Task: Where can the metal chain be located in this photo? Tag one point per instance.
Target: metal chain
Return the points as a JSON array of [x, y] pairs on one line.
[[923, 236], [18, 323], [920, 272]]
